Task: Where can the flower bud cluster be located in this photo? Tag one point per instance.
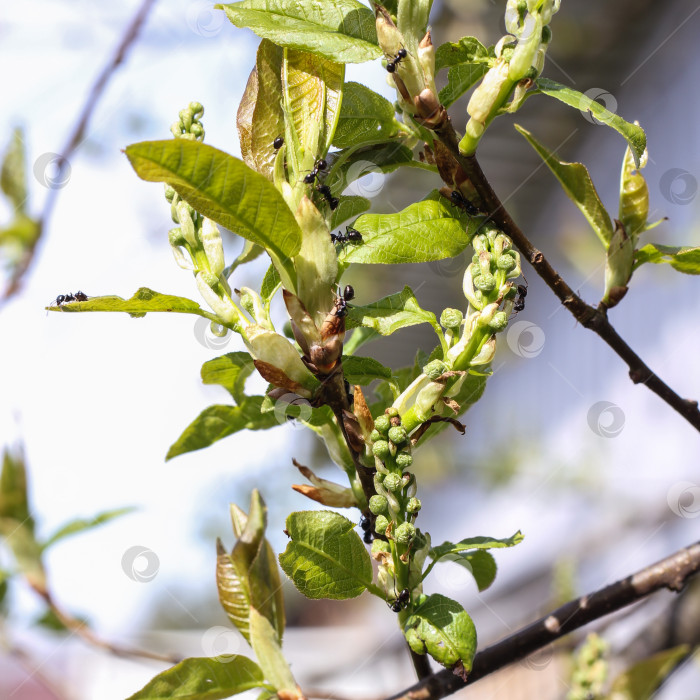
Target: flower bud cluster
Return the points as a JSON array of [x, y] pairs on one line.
[[520, 56], [196, 242], [590, 669]]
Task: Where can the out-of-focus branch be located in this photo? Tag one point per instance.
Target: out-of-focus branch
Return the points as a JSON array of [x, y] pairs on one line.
[[76, 138], [589, 317], [672, 573]]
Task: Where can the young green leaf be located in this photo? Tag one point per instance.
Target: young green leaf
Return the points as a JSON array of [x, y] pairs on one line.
[[442, 628], [363, 370], [80, 525], [577, 184], [326, 557], [225, 190], [459, 79], [260, 117], [391, 313], [268, 652], [633, 134], [14, 502], [467, 50], [364, 116], [339, 30], [428, 230], [19, 537], [144, 301], [348, 208], [230, 371], [480, 564], [682, 258], [358, 338], [472, 543], [641, 680], [217, 422], [248, 578], [208, 678], [270, 284]]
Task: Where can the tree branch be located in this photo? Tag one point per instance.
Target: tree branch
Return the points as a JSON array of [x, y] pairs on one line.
[[589, 317], [672, 573], [76, 138]]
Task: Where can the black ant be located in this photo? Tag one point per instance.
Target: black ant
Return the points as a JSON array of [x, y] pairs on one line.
[[391, 65], [366, 525], [278, 143], [519, 304], [69, 298], [341, 302], [401, 601], [320, 166], [333, 202], [459, 200], [351, 235]]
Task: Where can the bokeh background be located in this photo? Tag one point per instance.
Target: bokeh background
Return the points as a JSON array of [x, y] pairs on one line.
[[600, 475]]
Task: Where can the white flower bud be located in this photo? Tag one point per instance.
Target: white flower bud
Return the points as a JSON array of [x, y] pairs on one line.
[[222, 307], [213, 246], [186, 223]]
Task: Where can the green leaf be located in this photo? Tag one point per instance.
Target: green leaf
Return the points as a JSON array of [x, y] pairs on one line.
[[348, 208], [475, 543], [230, 371], [13, 178], [339, 30], [364, 116], [268, 652], [577, 184], [425, 231], [217, 422], [467, 50], [480, 564], [459, 79], [248, 579], [144, 301], [224, 189], [326, 557], [208, 678], [633, 134], [80, 525], [22, 232], [391, 313], [363, 370], [682, 258], [20, 539], [14, 502], [358, 338], [640, 681], [442, 628], [260, 118]]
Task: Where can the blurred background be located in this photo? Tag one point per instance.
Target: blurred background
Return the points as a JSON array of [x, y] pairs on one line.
[[599, 474]]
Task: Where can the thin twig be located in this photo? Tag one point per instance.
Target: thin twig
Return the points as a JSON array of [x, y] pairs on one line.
[[672, 573], [76, 138], [590, 317]]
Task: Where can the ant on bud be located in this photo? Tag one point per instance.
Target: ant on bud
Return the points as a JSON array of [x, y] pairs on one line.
[[401, 601], [351, 235], [391, 65], [341, 303], [320, 166], [278, 143], [519, 304]]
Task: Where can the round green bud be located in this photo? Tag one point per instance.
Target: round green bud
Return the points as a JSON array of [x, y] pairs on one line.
[[546, 34], [451, 318], [169, 193], [382, 424], [392, 412], [175, 237], [435, 369], [404, 533], [475, 259], [398, 435], [532, 73], [404, 460], [392, 482], [413, 505], [375, 435], [287, 330], [381, 524], [506, 262], [485, 283], [499, 321], [380, 546], [378, 505], [381, 449]]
